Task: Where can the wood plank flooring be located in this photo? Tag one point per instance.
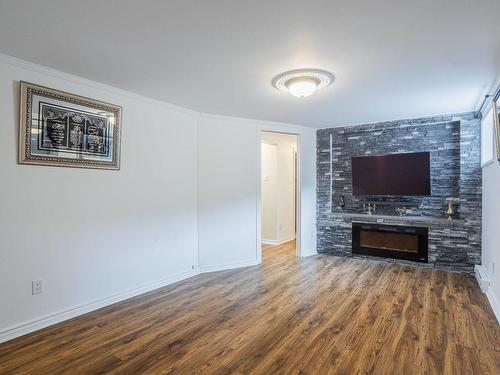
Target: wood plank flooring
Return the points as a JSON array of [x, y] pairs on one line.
[[316, 315]]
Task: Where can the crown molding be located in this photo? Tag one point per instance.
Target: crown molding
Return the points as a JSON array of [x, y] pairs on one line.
[[492, 90], [19, 63], [262, 124]]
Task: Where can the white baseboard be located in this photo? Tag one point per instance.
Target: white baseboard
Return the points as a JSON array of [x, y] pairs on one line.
[[22, 329], [222, 267], [483, 280], [268, 242], [35, 325], [277, 242], [482, 277], [494, 303]]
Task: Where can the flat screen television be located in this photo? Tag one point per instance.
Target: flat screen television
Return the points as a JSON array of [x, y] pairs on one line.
[[396, 174]]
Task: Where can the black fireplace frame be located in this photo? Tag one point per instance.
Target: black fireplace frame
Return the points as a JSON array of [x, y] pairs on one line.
[[421, 232]]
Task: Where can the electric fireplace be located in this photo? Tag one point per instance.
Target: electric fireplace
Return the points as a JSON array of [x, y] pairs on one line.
[[391, 241]]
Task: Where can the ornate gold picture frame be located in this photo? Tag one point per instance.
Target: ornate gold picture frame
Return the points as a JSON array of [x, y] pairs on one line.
[[57, 128]]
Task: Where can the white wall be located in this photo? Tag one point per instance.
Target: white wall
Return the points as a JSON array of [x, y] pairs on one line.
[[491, 232], [227, 185], [94, 235], [490, 254], [187, 194], [269, 192], [287, 146], [230, 196]]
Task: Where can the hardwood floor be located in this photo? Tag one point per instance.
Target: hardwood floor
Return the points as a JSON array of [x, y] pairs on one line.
[[316, 315]]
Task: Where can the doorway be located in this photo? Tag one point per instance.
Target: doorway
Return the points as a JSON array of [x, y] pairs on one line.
[[279, 195]]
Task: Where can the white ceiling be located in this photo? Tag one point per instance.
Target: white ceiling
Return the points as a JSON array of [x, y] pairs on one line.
[[391, 58]]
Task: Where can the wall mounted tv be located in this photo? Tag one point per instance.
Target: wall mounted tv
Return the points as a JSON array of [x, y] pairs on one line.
[[396, 174]]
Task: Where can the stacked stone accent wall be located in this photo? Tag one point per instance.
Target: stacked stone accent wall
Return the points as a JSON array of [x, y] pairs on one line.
[[454, 144]]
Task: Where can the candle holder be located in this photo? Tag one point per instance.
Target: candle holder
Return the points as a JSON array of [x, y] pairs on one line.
[[450, 211], [370, 208]]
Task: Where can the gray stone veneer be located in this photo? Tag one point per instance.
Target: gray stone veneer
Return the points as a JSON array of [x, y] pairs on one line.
[[454, 144]]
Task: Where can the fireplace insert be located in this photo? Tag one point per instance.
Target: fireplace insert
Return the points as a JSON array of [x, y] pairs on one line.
[[391, 241]]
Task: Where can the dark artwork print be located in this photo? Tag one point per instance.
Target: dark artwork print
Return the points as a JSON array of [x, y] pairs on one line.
[[74, 131]]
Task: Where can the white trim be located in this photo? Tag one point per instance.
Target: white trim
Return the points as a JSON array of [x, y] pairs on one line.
[[298, 202], [278, 242], [198, 193], [486, 163], [489, 126], [37, 324], [488, 91], [50, 72], [22, 329], [269, 242], [483, 280], [223, 267], [293, 128], [14, 61], [258, 201], [494, 303], [482, 277]]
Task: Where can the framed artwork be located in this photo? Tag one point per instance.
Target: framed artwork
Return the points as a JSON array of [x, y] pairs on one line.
[[496, 126], [61, 129]]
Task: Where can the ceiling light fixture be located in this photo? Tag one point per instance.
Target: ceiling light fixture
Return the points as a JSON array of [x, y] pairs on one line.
[[303, 82]]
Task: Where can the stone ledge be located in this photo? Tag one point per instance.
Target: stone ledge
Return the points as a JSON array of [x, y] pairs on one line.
[[394, 218]]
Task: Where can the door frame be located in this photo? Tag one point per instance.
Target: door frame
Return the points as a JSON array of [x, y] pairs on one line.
[[298, 233]]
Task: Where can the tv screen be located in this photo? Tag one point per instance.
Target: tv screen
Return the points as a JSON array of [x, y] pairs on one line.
[[397, 174]]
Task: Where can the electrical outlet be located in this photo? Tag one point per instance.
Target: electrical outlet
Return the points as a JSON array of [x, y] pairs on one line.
[[36, 287]]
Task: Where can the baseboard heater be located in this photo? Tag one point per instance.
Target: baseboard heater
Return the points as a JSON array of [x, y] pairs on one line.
[[391, 241]]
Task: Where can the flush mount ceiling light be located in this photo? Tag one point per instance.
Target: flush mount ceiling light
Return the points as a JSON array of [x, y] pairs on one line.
[[302, 82]]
